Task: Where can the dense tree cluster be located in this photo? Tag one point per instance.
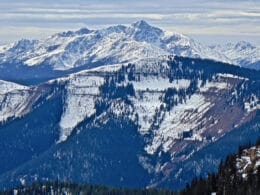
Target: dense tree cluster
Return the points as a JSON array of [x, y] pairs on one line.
[[75, 189], [227, 180]]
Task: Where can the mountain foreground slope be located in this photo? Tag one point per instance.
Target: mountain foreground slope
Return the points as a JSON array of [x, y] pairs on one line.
[[238, 174], [151, 123]]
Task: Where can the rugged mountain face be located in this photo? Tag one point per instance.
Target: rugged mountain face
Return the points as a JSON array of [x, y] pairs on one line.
[[147, 123], [243, 53], [68, 52], [33, 61], [115, 44], [29, 122]]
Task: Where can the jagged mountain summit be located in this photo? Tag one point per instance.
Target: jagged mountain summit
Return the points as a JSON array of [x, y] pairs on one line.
[[242, 53], [115, 44], [155, 122], [82, 49]]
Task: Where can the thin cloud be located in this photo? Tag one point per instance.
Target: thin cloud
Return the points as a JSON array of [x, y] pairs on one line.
[[191, 17]]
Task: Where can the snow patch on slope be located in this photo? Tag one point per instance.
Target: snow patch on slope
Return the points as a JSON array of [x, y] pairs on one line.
[[232, 76], [183, 117], [145, 105], [214, 85], [159, 83], [82, 91], [249, 160], [6, 87], [252, 104], [13, 100]]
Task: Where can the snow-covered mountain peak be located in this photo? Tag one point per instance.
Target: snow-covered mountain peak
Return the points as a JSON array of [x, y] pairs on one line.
[[82, 31], [116, 44], [19, 46], [239, 46], [142, 31], [242, 45], [243, 53], [116, 29], [141, 24], [144, 26], [24, 43]]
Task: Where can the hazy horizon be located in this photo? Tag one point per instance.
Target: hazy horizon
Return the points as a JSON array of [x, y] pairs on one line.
[[206, 21]]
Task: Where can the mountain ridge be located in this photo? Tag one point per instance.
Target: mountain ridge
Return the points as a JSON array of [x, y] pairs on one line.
[[84, 48], [156, 106]]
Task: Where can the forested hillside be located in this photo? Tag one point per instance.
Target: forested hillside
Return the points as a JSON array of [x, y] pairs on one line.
[[238, 175], [75, 189]]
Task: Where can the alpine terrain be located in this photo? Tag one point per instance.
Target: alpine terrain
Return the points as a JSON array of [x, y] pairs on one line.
[[125, 106], [34, 61]]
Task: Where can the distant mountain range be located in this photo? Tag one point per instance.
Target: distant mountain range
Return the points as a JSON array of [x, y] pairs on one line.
[[74, 50], [243, 54]]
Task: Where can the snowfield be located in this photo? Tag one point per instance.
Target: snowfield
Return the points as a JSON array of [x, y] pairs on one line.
[[13, 100], [183, 117], [82, 91], [120, 44]]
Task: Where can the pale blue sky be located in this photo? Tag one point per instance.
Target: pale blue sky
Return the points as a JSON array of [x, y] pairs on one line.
[[206, 20]]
